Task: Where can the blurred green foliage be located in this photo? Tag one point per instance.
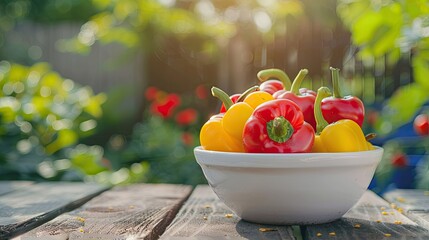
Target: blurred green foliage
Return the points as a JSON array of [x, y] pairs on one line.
[[45, 10], [162, 146], [394, 29], [43, 117], [199, 25], [165, 138]]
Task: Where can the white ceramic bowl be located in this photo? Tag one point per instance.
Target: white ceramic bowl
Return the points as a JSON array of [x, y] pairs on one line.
[[301, 188]]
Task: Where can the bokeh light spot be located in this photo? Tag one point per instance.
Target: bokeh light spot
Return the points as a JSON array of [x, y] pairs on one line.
[[88, 125], [35, 52], [45, 91], [24, 146], [68, 85], [46, 169], [263, 21]]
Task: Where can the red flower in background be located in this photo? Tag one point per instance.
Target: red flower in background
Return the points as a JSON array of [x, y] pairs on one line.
[[187, 139], [165, 105], [186, 116], [151, 93], [201, 92], [372, 117], [399, 160]]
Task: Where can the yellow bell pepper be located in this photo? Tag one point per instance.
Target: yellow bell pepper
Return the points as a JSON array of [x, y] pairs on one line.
[[341, 136], [225, 133], [214, 137], [235, 118], [255, 99]]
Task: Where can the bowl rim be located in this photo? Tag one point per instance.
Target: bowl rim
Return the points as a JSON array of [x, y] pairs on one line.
[[287, 160]]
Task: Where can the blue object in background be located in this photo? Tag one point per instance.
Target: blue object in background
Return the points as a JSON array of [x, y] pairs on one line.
[[405, 177]]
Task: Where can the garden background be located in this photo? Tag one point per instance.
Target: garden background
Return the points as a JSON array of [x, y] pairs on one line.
[[116, 91]]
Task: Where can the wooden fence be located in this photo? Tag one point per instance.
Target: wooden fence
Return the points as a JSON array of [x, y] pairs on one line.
[[99, 69]]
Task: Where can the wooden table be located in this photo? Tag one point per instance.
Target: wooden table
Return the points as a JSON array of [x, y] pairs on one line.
[[150, 211]]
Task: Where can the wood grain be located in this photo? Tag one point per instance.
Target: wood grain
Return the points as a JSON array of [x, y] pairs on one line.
[[10, 186], [204, 216], [370, 218], [413, 202], [420, 217], [409, 199], [31, 206], [140, 211]]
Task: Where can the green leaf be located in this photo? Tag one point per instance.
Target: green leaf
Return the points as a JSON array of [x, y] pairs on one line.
[[123, 9], [401, 107], [375, 28], [416, 8], [350, 12], [121, 35], [393, 56], [9, 107], [421, 70], [87, 159], [64, 139], [284, 8], [93, 106]]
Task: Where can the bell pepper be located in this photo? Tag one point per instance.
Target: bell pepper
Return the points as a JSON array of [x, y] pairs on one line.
[[277, 126], [239, 97], [229, 126], [214, 137], [255, 99], [340, 107], [233, 98], [342, 136], [304, 98], [272, 86]]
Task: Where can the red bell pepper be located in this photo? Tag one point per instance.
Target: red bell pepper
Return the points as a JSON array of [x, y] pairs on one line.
[[277, 126], [272, 86], [233, 98], [303, 97], [340, 107]]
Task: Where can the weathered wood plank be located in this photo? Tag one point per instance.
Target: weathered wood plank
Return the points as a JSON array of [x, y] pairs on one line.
[[412, 202], [33, 205], [10, 186], [140, 211], [420, 217], [409, 199], [370, 218], [204, 216]]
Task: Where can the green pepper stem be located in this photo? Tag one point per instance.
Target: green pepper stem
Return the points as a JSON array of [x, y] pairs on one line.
[[279, 74], [296, 84], [247, 92], [335, 72], [321, 123], [279, 129], [219, 93]]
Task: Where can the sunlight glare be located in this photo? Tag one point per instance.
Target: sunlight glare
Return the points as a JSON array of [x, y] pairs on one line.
[[167, 3], [263, 21], [206, 9]]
